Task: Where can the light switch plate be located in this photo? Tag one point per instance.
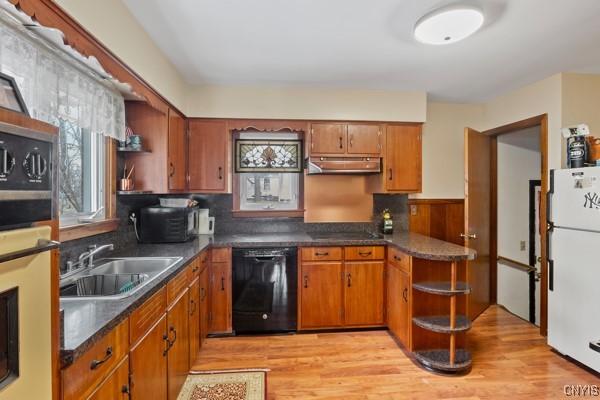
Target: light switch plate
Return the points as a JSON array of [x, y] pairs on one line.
[[523, 245]]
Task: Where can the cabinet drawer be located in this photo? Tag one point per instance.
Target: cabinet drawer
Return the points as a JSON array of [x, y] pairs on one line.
[[399, 259], [358, 253], [195, 268], [203, 260], [221, 255], [115, 386], [144, 317], [321, 253], [85, 374], [177, 285]]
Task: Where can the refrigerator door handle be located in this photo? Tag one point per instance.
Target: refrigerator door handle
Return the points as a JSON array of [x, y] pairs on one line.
[[550, 275]]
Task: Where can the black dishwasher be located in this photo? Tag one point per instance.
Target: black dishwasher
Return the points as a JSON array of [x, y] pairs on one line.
[[264, 290]]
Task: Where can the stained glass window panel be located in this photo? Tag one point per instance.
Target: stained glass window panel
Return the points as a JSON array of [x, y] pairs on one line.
[[268, 155]]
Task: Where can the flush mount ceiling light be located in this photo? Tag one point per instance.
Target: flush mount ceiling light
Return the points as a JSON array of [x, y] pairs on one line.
[[448, 25]]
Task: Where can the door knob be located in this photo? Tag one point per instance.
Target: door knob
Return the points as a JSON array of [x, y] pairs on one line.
[[468, 236]]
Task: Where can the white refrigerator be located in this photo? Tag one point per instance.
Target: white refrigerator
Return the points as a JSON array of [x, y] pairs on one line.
[[574, 264]]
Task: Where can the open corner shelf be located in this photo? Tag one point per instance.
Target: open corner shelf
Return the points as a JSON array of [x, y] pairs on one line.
[[132, 192], [441, 323], [439, 360], [443, 288]]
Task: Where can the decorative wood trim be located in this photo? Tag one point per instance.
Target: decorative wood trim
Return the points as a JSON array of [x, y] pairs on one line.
[[50, 14], [22, 120], [435, 201], [110, 178], [84, 230], [515, 126]]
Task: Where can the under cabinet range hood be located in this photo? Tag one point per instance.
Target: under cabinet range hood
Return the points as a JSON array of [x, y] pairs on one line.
[[343, 165]]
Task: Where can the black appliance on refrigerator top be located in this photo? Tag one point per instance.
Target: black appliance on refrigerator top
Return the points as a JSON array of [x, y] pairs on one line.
[[264, 290], [28, 176]]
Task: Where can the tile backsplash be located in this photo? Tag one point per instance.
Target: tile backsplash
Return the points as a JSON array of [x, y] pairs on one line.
[[220, 206]]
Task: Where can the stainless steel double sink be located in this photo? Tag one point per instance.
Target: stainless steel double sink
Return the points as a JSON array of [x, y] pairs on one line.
[[114, 278]]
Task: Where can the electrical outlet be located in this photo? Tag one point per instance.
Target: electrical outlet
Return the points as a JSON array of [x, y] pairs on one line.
[[523, 245], [413, 210]]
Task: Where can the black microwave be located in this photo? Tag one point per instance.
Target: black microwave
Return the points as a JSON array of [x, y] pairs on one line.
[[167, 224]]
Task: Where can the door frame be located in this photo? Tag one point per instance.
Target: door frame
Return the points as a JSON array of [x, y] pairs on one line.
[[542, 122], [533, 184]]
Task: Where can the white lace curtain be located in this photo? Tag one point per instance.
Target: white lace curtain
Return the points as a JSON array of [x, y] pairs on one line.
[[55, 88]]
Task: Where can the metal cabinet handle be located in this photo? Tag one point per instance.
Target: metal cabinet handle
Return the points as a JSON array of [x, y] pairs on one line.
[[341, 142], [202, 293], [390, 174], [172, 170], [195, 268], [223, 283], [351, 141], [321, 254], [365, 254], [349, 280], [305, 281], [166, 339], [96, 363], [468, 236], [220, 172], [405, 295], [125, 390]]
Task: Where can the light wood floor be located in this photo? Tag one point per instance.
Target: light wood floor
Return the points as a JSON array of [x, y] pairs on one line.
[[510, 361]]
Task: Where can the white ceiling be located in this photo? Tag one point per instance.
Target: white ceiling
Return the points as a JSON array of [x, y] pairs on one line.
[[368, 44]]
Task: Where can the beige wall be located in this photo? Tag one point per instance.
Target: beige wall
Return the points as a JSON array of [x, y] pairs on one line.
[[443, 148], [581, 101], [542, 97], [111, 22], [305, 103]]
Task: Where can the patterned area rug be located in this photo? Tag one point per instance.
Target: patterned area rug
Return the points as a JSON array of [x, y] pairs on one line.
[[225, 385]]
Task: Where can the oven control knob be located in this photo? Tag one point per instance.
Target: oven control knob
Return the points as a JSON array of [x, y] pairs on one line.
[[265, 316], [7, 162], [35, 165]]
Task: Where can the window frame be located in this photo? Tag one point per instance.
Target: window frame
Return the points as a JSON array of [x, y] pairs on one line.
[[110, 222], [237, 211]]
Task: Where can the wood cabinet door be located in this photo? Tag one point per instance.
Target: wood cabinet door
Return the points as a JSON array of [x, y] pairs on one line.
[[403, 158], [321, 294], [204, 310], [148, 364], [177, 152], [220, 298], [178, 356], [194, 320], [398, 304], [116, 386], [208, 156], [328, 139], [363, 293], [364, 139]]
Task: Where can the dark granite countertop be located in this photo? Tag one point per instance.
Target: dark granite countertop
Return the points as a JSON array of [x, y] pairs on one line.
[[86, 321]]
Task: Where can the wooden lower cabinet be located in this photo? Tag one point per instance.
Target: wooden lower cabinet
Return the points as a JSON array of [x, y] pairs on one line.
[[399, 304], [220, 297], [321, 295], [116, 386], [178, 354], [148, 364], [364, 293], [204, 308], [194, 320]]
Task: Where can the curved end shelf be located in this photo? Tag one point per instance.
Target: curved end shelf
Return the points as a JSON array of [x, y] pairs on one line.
[[441, 323], [442, 288], [439, 360]]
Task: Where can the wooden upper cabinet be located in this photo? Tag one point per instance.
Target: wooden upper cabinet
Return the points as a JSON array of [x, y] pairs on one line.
[[208, 156], [328, 139], [363, 293], [403, 158], [321, 295], [364, 140], [177, 152]]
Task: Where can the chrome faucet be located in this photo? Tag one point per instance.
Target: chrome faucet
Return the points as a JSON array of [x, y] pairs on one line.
[[92, 251]]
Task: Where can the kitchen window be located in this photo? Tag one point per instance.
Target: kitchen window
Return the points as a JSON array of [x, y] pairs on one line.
[[73, 93], [269, 175]]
